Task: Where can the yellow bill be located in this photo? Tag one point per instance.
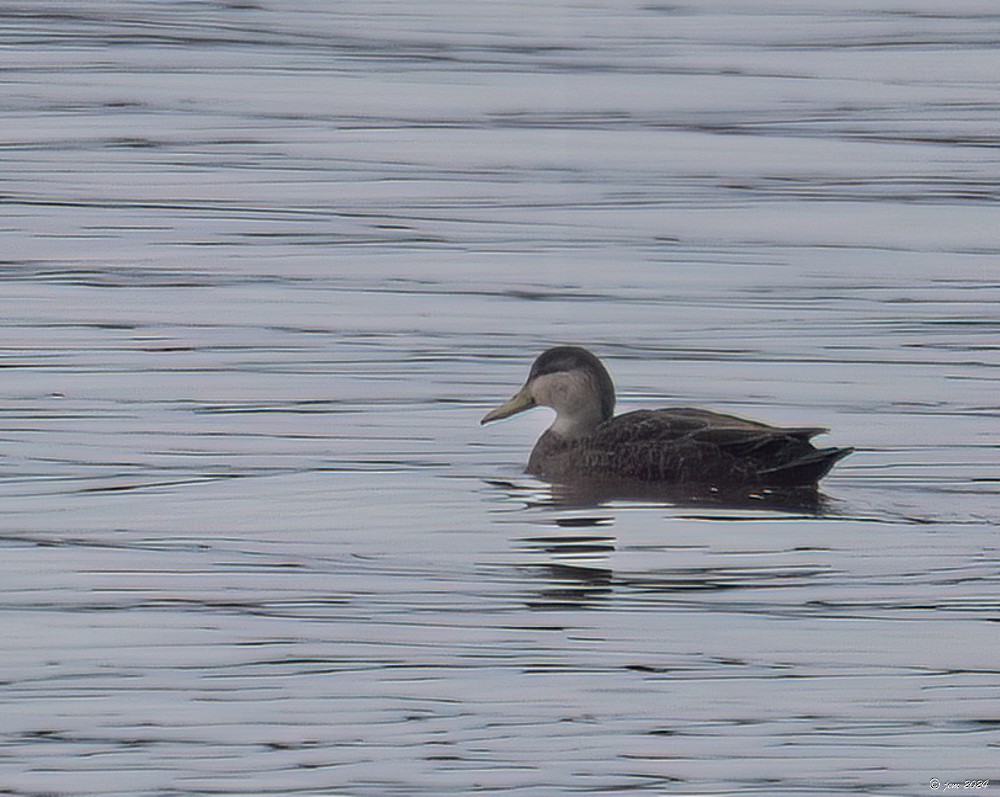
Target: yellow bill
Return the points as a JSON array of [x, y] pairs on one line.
[[519, 402]]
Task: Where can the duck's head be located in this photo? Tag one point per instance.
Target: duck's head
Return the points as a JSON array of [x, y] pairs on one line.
[[570, 380]]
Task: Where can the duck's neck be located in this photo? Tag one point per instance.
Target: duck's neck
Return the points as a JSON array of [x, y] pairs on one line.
[[578, 423]]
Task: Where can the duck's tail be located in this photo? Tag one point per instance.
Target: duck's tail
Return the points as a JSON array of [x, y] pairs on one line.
[[807, 469]]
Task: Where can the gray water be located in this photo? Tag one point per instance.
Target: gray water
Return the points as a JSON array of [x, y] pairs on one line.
[[267, 263]]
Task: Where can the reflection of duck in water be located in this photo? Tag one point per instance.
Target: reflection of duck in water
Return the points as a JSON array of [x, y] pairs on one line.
[[668, 446]]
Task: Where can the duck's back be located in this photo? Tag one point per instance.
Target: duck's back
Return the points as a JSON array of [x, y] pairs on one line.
[[687, 446]]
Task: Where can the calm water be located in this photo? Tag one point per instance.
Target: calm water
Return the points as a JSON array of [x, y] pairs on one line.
[[265, 266]]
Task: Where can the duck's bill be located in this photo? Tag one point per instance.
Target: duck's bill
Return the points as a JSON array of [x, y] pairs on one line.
[[520, 402]]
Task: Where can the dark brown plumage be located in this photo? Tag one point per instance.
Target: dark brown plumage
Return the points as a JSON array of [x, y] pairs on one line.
[[686, 445], [668, 446]]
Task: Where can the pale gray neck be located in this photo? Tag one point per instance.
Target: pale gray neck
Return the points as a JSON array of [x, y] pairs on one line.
[[578, 422]]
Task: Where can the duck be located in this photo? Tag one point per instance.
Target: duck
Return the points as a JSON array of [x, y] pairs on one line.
[[673, 446]]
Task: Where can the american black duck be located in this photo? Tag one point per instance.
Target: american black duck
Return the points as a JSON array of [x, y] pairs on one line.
[[682, 446]]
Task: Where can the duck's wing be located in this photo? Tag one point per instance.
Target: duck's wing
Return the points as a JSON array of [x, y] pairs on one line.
[[685, 423], [693, 418], [692, 445]]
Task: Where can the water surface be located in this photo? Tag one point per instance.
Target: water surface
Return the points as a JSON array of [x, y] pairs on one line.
[[268, 263]]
